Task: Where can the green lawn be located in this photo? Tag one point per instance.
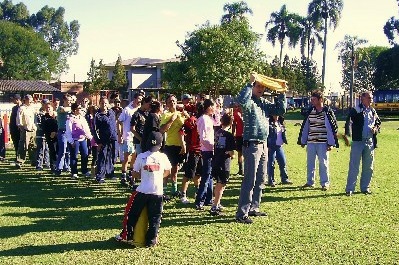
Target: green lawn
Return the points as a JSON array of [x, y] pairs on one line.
[[49, 220]]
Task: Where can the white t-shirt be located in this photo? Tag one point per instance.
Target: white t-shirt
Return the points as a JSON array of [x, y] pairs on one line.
[[125, 117], [152, 167]]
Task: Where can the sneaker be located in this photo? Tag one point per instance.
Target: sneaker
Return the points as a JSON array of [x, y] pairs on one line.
[[100, 181], [39, 168], [18, 165], [184, 200], [166, 198], [199, 207], [57, 172], [244, 220], [220, 208], [214, 211], [87, 174], [74, 176], [306, 185], [256, 213], [240, 172], [349, 193], [118, 238], [324, 188], [287, 182]]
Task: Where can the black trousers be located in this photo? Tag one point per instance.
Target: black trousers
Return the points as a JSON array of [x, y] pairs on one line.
[[105, 161], [154, 208]]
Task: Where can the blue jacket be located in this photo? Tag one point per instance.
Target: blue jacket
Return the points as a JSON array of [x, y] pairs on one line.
[[255, 112], [105, 127]]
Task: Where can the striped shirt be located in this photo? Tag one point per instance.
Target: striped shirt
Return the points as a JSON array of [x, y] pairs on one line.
[[317, 127]]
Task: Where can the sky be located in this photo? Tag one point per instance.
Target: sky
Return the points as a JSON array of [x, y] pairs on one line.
[[150, 28]]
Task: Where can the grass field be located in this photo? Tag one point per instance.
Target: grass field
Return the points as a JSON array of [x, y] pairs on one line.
[[56, 220]]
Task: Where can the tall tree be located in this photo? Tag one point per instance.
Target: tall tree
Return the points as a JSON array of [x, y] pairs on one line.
[[281, 26], [216, 58], [349, 55], [387, 69], [97, 78], [49, 22], [236, 10], [391, 30], [329, 12], [119, 81], [310, 36], [25, 54], [62, 36]]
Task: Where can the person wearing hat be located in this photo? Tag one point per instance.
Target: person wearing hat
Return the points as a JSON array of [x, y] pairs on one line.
[[42, 151], [27, 127], [188, 105], [151, 166], [255, 111], [14, 130]]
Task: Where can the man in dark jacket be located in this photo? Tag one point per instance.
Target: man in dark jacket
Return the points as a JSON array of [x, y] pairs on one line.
[[363, 124], [14, 130], [105, 136]]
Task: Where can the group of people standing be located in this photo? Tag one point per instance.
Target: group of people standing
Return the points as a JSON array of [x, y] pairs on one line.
[[199, 137]]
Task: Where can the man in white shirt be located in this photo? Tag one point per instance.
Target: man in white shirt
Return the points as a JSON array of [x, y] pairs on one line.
[[27, 127], [125, 136]]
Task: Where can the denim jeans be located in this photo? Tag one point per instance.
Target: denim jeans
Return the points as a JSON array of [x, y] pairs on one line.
[[276, 152], [80, 147], [361, 150], [318, 150], [63, 159], [255, 164], [42, 153], [205, 189]]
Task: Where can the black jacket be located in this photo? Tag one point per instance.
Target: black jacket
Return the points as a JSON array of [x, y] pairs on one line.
[[355, 121]]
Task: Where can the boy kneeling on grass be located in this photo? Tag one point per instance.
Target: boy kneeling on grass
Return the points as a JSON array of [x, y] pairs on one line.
[[152, 166], [224, 152]]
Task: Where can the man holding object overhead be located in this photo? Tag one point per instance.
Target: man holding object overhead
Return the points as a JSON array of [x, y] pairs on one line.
[[255, 110]]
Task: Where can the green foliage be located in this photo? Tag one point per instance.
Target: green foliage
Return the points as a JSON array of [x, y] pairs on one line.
[[281, 26], [119, 81], [391, 30], [236, 10], [97, 78], [329, 13], [387, 72], [349, 55], [25, 54], [50, 23], [216, 59]]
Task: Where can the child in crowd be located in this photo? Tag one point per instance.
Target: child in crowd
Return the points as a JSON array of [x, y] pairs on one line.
[[224, 152], [152, 166], [275, 141]]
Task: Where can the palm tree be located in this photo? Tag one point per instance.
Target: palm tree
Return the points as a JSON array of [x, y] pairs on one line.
[[349, 56], [329, 12], [283, 25], [310, 35], [236, 10]]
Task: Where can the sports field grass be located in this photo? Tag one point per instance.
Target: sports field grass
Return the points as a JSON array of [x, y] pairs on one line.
[[57, 220]]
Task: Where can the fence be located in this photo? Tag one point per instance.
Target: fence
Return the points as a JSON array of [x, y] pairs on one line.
[[5, 117]]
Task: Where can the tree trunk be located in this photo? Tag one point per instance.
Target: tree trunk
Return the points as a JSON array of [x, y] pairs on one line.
[[323, 73], [281, 52]]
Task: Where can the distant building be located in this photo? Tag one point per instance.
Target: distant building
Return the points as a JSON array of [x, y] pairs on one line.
[[141, 73], [38, 89]]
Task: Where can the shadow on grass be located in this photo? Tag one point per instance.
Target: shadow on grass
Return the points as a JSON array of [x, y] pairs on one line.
[[109, 244]]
